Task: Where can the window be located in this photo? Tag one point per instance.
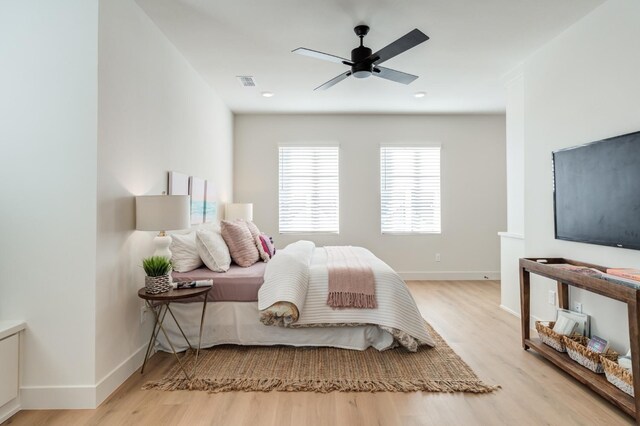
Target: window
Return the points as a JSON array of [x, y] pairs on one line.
[[410, 189], [309, 191]]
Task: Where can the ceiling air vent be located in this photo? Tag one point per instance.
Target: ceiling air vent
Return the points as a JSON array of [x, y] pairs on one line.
[[247, 80]]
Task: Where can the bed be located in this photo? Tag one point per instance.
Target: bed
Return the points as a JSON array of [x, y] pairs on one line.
[[247, 306]]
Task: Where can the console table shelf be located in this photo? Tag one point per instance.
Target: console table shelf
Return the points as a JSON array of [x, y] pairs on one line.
[[565, 278]]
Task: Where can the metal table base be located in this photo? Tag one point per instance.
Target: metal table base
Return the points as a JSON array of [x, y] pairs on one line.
[[160, 312]]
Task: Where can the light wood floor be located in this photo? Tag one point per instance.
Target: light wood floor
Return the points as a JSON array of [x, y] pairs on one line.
[[466, 313]]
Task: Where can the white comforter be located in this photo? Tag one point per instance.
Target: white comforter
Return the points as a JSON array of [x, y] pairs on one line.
[[298, 275]]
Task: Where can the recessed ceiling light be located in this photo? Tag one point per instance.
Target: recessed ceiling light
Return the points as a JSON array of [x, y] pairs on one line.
[[419, 94], [267, 94]]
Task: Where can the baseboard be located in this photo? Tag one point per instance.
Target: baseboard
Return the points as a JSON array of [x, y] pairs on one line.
[[511, 311], [513, 235], [450, 275], [119, 375], [57, 397], [517, 314], [80, 397], [9, 409]]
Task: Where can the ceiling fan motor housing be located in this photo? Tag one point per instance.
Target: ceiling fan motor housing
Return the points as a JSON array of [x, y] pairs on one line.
[[363, 63], [361, 67]]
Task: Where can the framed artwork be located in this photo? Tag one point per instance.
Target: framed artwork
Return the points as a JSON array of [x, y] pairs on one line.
[[178, 184], [197, 192], [210, 203]]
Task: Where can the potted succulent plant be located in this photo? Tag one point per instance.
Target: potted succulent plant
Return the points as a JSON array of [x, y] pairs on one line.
[[157, 269]]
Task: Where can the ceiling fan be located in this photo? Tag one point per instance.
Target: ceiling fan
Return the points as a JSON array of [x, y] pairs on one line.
[[364, 63]]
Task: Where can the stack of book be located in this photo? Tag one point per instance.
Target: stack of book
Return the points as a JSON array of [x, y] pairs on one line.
[[598, 345], [625, 276], [584, 270], [565, 326], [629, 273], [570, 322], [193, 284]]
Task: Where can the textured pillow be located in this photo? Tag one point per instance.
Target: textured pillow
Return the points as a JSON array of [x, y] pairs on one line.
[[242, 246], [255, 234], [267, 244], [213, 250], [184, 253]]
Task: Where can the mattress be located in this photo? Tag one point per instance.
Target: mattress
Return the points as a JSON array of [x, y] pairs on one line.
[[238, 284], [238, 323]]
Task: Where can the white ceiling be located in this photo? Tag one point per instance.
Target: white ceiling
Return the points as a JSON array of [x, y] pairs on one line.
[[473, 44]]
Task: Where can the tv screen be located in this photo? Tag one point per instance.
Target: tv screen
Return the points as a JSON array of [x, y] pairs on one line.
[[597, 192]]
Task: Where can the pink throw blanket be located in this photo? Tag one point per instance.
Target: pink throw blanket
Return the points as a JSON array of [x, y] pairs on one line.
[[351, 280]]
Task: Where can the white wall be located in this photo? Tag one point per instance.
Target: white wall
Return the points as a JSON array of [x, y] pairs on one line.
[[48, 113], [512, 241], [473, 184], [581, 87], [515, 154], [155, 114], [96, 107]]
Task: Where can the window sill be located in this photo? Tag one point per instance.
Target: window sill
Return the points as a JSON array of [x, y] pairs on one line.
[[411, 233], [309, 233]]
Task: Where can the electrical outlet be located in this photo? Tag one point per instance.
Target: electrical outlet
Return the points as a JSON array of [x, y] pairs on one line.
[[552, 297], [577, 306], [143, 314], [437, 257]]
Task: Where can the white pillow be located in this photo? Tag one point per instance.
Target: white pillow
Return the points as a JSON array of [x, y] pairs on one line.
[[184, 253], [213, 250]]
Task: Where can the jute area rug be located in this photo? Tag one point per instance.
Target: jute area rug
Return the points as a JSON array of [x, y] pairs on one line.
[[283, 368]]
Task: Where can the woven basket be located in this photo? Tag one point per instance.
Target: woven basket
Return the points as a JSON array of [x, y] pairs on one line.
[[620, 377], [577, 350], [155, 285], [550, 337]]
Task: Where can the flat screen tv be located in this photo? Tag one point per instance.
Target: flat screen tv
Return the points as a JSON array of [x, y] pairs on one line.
[[597, 192]]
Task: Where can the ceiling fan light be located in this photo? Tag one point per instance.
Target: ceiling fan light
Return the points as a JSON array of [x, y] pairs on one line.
[[362, 74]]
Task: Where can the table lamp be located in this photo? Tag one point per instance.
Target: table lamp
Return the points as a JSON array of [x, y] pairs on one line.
[[162, 213], [235, 211]]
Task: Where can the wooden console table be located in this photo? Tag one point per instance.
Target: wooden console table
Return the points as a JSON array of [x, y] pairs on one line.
[[566, 278]]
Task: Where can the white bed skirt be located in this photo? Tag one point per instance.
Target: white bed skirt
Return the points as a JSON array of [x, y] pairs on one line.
[[238, 323]]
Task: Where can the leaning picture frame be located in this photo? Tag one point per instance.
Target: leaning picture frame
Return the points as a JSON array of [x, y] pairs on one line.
[[197, 188], [178, 184], [210, 202]]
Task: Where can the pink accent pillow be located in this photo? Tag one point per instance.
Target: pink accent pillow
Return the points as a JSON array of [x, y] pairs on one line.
[[265, 248], [268, 245], [242, 246]]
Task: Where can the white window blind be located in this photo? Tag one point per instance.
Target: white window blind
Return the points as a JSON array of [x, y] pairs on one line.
[[309, 189], [410, 189]]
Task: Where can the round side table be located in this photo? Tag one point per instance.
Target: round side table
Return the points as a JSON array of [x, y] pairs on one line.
[[159, 305]]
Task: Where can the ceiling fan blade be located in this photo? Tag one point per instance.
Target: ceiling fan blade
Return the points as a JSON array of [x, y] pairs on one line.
[[320, 55], [333, 81], [404, 43], [393, 75]]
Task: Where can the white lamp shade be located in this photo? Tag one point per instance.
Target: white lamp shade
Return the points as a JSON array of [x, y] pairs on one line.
[[162, 212], [234, 211]]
